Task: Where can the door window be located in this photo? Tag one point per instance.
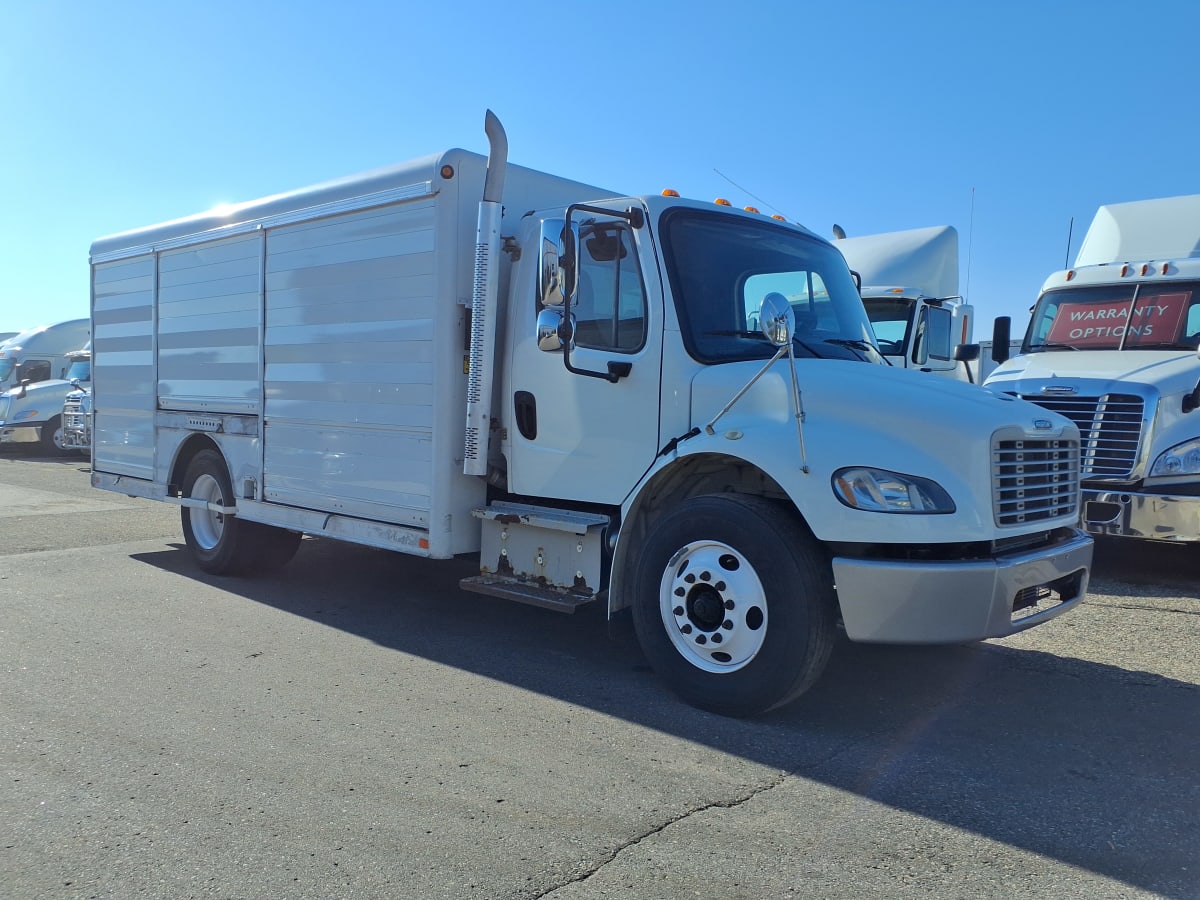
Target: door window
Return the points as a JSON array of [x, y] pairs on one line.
[[610, 303]]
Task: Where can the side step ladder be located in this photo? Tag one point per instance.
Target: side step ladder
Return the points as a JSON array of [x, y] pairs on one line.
[[540, 555]]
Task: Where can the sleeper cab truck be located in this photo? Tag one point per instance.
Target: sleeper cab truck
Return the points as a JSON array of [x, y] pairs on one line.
[[652, 403], [1112, 345]]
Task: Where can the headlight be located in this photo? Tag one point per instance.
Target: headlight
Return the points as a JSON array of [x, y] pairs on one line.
[[879, 490], [1182, 459]]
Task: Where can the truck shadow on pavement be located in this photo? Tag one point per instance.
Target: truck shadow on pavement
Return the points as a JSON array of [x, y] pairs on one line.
[[1081, 762]]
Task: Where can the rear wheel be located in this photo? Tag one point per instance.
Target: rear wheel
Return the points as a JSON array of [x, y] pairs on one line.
[[734, 604], [224, 544]]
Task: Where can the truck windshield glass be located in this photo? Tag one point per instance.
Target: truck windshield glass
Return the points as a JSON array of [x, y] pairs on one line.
[[721, 267], [1117, 317], [891, 317], [81, 369]]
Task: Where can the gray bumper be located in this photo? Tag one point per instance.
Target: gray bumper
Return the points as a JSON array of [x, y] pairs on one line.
[[909, 602], [1157, 517]]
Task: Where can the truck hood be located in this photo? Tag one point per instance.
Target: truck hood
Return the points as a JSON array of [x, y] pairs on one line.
[[42, 390], [891, 402], [1166, 371]]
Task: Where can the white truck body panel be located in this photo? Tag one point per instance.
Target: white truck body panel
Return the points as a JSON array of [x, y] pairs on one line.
[[910, 289], [1129, 313], [328, 323]]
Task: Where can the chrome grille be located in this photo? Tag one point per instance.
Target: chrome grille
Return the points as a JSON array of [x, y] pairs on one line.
[[1110, 430], [1034, 480]]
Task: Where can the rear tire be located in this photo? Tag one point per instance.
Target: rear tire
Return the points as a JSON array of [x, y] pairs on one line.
[[734, 604], [225, 544]]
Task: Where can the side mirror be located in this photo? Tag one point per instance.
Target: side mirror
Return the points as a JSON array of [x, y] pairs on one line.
[[776, 319], [1001, 337], [965, 353], [549, 330], [550, 275]]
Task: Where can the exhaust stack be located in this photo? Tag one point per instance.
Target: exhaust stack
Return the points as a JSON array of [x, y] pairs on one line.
[[484, 302]]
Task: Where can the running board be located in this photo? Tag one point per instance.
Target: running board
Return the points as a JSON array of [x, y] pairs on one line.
[[523, 592]]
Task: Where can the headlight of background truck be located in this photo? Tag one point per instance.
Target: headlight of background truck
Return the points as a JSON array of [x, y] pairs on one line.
[[1182, 459], [879, 490]]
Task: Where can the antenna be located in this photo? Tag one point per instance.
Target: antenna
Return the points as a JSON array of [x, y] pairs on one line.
[[970, 243], [1070, 231], [761, 201]]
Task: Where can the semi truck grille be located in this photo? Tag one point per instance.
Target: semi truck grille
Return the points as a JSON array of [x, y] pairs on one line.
[[1034, 480], [1110, 430]]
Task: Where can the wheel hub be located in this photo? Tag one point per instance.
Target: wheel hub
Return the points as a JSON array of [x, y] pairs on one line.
[[713, 606]]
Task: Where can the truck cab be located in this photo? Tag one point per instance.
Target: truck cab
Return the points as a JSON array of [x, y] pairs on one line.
[[909, 286], [1112, 344]]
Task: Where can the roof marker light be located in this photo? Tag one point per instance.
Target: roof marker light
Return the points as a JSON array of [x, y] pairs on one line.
[[1165, 267], [1124, 270], [750, 209], [721, 201], [1145, 268], [1070, 274], [667, 192], [779, 217]]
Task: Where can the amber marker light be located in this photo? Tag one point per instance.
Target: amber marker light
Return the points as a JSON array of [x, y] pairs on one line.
[[1145, 269], [750, 209], [1124, 270], [447, 171], [721, 201], [1070, 274], [667, 192], [778, 218], [1165, 267]]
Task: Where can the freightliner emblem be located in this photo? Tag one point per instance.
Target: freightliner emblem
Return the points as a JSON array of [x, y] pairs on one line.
[[1059, 389], [1042, 424]]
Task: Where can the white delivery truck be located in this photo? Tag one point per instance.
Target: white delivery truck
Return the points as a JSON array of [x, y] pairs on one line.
[[909, 285], [1112, 345], [77, 406], [35, 364], [658, 404]]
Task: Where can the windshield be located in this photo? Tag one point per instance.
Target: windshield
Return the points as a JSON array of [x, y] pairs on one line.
[[720, 268], [81, 369], [891, 317], [1135, 316]]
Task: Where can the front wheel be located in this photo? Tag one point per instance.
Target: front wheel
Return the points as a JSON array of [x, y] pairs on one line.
[[51, 437], [734, 604], [224, 544]]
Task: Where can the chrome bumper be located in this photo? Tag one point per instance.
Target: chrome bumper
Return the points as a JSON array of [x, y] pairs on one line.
[[907, 602], [1156, 517]]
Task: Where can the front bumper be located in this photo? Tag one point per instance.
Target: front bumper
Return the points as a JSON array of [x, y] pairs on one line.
[[906, 602], [1156, 517], [20, 434]]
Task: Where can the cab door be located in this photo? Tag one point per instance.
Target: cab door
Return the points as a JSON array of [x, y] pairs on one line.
[[583, 418]]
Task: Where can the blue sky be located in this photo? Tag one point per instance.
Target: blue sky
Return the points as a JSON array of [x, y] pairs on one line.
[[1005, 120]]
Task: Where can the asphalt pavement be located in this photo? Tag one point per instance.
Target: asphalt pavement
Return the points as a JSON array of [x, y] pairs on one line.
[[357, 726]]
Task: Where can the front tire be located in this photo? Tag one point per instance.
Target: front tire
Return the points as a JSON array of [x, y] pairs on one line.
[[225, 544], [734, 604], [51, 437]]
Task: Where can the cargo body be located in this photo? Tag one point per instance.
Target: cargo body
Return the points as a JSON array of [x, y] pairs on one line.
[[647, 402], [1112, 345]]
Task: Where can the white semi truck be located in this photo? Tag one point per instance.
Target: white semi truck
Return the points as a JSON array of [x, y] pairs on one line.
[[1112, 345], [657, 404], [34, 367], [910, 290]]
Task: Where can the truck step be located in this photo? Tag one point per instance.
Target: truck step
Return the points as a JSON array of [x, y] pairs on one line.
[[523, 592]]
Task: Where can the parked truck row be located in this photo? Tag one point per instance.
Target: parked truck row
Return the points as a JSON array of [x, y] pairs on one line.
[[36, 368], [652, 403]]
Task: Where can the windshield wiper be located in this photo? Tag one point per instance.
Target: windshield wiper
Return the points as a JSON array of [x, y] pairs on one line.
[[1161, 345], [855, 344], [1037, 347]]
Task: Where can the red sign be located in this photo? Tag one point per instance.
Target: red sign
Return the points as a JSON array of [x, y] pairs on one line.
[[1156, 319]]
